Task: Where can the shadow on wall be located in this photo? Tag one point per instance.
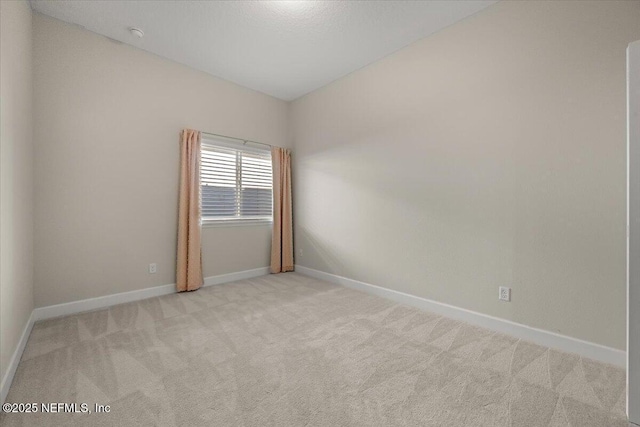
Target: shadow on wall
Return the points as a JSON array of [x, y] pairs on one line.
[[362, 190], [325, 259]]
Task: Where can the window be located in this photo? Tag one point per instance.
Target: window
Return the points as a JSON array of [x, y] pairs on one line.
[[235, 183]]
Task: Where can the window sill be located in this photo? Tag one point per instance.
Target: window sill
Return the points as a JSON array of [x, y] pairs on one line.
[[214, 223]]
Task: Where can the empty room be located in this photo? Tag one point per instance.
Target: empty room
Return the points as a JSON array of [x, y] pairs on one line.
[[320, 213]]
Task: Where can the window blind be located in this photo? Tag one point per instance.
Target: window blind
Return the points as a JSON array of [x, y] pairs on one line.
[[236, 183]]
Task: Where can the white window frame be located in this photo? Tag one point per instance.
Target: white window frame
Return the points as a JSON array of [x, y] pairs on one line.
[[221, 143]]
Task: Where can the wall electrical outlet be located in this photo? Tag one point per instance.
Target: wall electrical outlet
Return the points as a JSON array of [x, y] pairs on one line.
[[153, 268], [300, 252], [504, 293]]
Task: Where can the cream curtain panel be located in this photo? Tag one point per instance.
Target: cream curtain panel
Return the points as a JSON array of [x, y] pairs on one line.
[[189, 263], [282, 237]]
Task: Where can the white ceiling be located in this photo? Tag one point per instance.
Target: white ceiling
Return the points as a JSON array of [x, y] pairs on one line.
[[282, 48]]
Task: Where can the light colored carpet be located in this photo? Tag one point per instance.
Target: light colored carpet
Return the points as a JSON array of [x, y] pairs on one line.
[[288, 350]]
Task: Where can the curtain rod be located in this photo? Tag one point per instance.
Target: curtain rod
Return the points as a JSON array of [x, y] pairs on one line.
[[244, 141]]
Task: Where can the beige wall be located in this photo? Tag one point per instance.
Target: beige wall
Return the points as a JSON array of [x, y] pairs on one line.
[[109, 117], [491, 153], [16, 179]]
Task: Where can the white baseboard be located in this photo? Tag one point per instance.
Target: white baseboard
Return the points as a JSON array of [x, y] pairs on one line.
[[539, 336], [232, 277], [74, 307], [89, 304], [15, 359]]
